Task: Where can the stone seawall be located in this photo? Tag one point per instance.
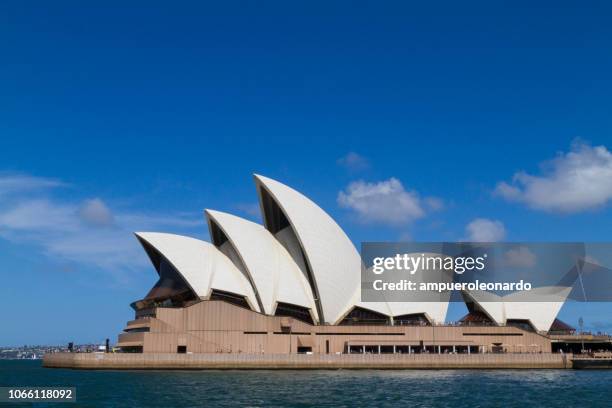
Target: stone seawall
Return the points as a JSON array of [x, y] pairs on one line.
[[158, 361], [592, 363]]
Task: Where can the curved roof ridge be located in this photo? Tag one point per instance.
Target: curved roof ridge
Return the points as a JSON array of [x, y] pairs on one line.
[[541, 313], [333, 261], [201, 265], [274, 274]]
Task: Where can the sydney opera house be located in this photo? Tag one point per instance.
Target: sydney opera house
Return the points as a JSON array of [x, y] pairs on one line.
[[292, 285]]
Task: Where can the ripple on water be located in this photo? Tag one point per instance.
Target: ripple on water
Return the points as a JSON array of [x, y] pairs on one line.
[[339, 388]]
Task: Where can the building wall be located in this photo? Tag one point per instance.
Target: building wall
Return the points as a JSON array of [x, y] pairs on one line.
[[162, 361], [219, 327]]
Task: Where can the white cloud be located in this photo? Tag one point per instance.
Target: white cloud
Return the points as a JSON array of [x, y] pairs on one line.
[[354, 162], [86, 232], [136, 222], [251, 209], [385, 202], [485, 230], [19, 183], [434, 203], [95, 212], [520, 257], [113, 250], [38, 214], [576, 181]]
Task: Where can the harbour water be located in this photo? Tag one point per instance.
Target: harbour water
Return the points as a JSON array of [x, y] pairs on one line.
[[337, 388]]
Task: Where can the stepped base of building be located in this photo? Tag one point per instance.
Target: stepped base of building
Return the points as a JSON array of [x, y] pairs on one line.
[[170, 361], [586, 363]]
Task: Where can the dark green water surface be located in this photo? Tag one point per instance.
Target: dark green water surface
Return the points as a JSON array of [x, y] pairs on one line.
[[340, 388]]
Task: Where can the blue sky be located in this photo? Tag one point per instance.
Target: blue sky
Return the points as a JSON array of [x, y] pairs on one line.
[[403, 121]]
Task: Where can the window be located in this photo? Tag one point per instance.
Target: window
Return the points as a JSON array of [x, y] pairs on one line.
[[138, 330], [522, 324], [217, 234], [229, 297], [181, 349], [476, 318], [132, 349], [360, 316], [415, 319], [298, 312], [275, 217]]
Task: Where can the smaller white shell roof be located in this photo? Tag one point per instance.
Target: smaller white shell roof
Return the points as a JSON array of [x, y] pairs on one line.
[[274, 273], [489, 303], [201, 264], [520, 305], [541, 314]]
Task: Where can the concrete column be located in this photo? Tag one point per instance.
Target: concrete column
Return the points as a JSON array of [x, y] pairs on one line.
[[469, 349], [409, 349], [363, 349], [454, 349], [379, 349], [439, 349], [394, 349]]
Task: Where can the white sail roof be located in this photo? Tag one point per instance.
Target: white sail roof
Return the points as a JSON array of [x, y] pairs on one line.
[[541, 314], [330, 255], [201, 264], [302, 257], [522, 306], [273, 272]]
